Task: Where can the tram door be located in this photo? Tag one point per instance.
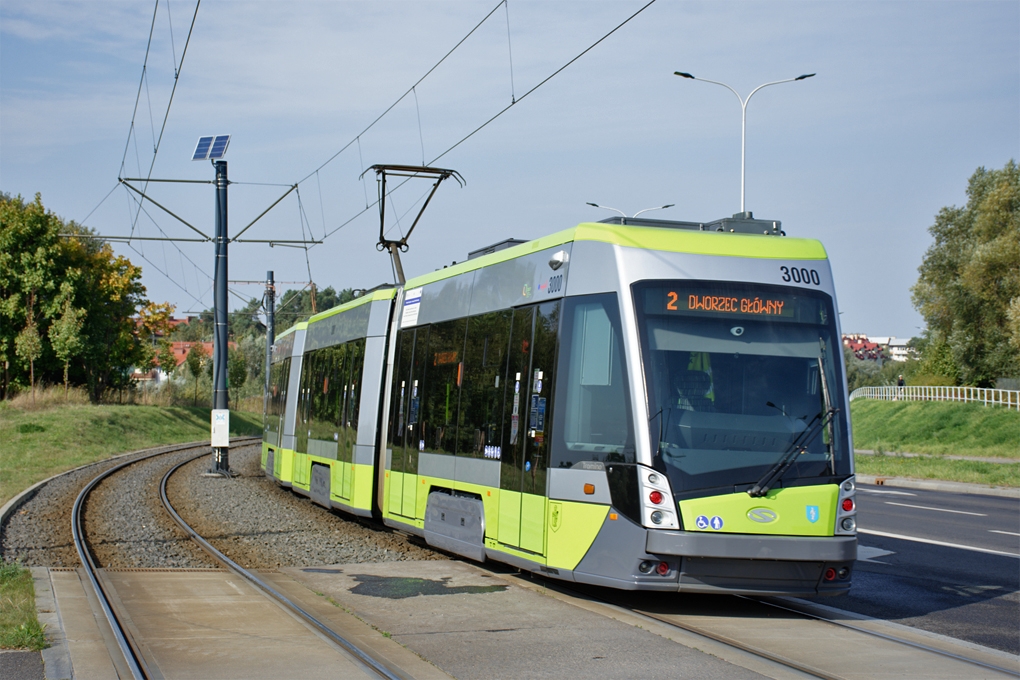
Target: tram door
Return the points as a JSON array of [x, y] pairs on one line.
[[526, 421]]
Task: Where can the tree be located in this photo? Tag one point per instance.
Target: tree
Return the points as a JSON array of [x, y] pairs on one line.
[[65, 333], [49, 267], [29, 254], [969, 285], [237, 370], [165, 357], [28, 346], [195, 360]]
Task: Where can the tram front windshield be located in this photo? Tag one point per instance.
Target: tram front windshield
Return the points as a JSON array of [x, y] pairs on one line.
[[738, 378]]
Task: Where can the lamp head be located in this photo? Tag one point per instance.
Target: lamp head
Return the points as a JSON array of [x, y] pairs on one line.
[[689, 76], [804, 77]]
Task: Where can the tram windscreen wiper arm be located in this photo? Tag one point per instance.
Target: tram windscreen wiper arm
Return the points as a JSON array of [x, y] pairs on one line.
[[801, 442]]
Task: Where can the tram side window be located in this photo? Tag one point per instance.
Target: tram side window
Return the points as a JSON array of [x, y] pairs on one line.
[[481, 407], [444, 375], [279, 373], [356, 361], [400, 398], [593, 405]]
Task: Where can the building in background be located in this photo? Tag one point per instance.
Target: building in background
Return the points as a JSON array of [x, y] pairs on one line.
[[878, 348]]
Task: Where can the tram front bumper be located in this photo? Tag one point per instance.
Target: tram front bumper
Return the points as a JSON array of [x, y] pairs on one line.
[[757, 565], [752, 547]]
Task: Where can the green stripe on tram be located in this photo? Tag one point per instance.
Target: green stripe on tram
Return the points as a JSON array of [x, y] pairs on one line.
[[385, 294]]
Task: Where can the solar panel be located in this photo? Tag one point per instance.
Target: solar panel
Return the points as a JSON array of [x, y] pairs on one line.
[[211, 148], [219, 146], [202, 150]]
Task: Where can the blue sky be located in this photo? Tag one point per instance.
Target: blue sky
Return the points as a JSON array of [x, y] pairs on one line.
[[910, 98]]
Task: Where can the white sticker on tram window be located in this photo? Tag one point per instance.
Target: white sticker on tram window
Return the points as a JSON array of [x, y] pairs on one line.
[[412, 303]]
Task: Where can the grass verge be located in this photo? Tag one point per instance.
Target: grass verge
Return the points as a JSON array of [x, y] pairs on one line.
[[36, 444], [937, 428], [19, 626], [941, 469]]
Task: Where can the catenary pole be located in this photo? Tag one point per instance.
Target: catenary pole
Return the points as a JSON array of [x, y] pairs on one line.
[[221, 462], [270, 326]]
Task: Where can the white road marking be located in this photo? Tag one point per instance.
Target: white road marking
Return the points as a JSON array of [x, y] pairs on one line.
[[867, 553], [926, 507], [1008, 533], [917, 539], [892, 493]]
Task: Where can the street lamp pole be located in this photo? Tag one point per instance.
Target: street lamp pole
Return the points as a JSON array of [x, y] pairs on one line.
[[743, 116]]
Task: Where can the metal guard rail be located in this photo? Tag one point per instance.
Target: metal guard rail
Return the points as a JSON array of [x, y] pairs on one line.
[[981, 395]]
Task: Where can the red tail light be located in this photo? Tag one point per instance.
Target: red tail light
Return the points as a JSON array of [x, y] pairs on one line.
[[663, 568], [848, 504], [655, 497], [830, 574]]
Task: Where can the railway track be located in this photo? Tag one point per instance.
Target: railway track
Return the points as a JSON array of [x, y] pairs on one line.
[[796, 639], [133, 657], [134, 661], [366, 660]]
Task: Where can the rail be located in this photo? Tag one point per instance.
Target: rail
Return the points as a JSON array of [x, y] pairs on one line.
[[979, 395], [136, 664], [351, 648]]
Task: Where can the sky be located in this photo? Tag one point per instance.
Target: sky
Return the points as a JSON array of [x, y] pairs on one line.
[[910, 98]]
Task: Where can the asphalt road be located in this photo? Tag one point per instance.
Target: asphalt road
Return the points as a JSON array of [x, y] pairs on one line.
[[946, 563]]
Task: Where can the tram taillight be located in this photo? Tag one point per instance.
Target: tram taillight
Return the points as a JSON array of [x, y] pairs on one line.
[[830, 574], [663, 568], [655, 497], [848, 504]]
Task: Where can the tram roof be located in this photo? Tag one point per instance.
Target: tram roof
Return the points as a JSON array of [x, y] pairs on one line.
[[720, 244]]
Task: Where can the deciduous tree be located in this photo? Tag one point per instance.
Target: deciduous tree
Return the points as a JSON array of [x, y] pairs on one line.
[[969, 285]]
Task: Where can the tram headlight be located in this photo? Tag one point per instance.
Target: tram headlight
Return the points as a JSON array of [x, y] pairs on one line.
[[657, 517], [848, 524]]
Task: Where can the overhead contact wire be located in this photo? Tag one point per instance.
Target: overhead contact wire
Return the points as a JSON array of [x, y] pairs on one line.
[[409, 91], [547, 79]]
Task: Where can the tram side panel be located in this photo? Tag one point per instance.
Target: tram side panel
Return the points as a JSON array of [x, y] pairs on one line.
[[337, 412], [471, 416]]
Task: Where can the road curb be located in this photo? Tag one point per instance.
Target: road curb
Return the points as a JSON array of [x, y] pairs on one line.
[[934, 485]]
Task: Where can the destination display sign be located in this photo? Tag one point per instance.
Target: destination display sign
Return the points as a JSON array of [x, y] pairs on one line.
[[680, 300]]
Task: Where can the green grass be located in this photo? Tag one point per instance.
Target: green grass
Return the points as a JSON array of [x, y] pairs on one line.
[[937, 428], [38, 443], [19, 626], [969, 471]]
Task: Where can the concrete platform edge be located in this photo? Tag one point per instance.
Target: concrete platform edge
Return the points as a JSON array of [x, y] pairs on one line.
[[56, 658], [935, 485]]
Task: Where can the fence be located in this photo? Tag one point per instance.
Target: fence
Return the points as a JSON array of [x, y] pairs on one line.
[[982, 395]]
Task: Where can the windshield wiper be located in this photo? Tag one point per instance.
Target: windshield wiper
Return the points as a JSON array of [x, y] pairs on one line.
[[801, 442]]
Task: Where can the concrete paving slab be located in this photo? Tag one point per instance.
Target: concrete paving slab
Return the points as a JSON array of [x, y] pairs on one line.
[[830, 649], [86, 635], [56, 658], [215, 625], [348, 626], [477, 625]]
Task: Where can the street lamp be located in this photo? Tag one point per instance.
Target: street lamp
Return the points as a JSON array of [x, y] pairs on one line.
[[625, 218], [743, 115]]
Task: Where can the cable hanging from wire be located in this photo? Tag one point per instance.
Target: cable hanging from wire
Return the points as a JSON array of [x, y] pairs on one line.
[[498, 114]]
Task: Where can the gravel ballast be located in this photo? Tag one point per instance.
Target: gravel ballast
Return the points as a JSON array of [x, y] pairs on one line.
[[255, 522], [261, 525]]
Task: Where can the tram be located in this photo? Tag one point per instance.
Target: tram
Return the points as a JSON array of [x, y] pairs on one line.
[[640, 404]]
